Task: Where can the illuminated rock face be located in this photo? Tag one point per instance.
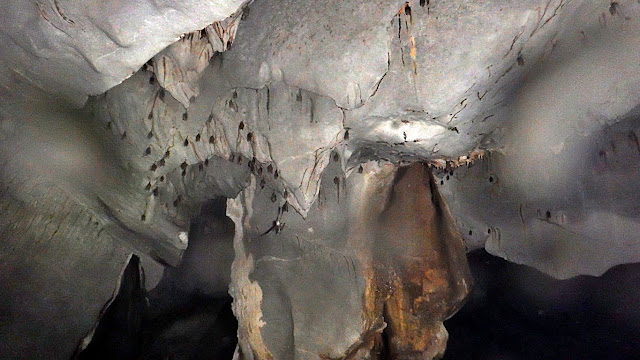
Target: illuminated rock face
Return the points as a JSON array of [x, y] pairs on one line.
[[379, 253], [318, 122]]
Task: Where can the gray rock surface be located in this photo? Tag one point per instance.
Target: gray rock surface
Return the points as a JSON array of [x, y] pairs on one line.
[[328, 286], [76, 50], [537, 100]]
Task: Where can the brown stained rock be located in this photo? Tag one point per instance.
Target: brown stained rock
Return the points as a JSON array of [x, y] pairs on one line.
[[420, 265], [374, 284], [415, 266]]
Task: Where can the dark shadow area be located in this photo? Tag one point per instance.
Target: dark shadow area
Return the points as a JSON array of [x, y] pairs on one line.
[[188, 314], [200, 327], [517, 312], [118, 334], [197, 327]]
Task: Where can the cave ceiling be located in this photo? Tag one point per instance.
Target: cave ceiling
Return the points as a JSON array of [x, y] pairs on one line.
[[118, 120]]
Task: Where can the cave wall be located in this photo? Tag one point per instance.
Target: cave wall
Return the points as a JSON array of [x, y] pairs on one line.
[[526, 112]]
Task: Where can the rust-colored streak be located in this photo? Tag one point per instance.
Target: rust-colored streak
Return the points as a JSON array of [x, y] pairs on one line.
[[421, 261], [410, 257]]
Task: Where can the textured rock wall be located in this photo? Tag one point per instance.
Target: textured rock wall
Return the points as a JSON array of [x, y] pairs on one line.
[[307, 92], [379, 252], [76, 50]]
